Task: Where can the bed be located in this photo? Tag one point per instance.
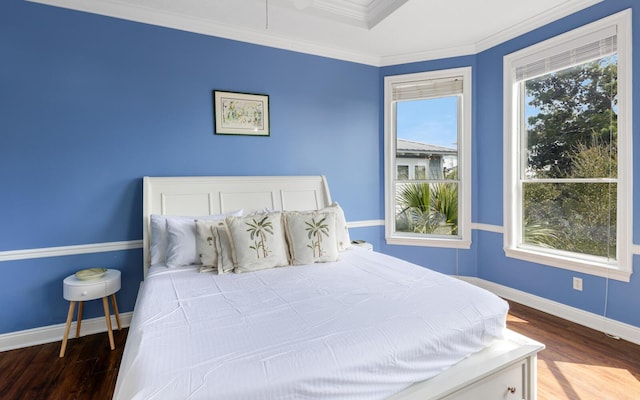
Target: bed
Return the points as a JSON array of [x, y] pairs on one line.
[[347, 323]]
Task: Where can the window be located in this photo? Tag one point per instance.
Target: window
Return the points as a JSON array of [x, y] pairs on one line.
[[568, 150], [428, 159], [403, 172]]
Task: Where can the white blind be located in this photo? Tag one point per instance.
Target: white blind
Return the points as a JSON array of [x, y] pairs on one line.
[[426, 89], [588, 48]]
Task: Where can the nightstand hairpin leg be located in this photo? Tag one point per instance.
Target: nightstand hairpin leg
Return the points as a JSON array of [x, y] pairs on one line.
[[72, 306], [79, 323], [105, 304], [115, 310]]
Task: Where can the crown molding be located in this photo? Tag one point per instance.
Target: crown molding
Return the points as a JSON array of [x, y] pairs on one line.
[[542, 19], [364, 16], [503, 36], [119, 9], [396, 59]]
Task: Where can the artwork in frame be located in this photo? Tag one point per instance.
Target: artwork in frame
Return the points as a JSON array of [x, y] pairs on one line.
[[241, 113]]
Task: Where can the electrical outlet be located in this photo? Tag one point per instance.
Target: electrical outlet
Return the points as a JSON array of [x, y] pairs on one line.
[[577, 283]]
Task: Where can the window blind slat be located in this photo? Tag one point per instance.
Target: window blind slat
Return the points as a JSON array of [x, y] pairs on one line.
[[427, 89], [590, 47]]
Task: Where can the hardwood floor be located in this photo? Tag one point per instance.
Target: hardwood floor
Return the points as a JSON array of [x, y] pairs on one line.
[[578, 364], [88, 370]]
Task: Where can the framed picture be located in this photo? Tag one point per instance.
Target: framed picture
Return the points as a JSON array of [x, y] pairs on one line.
[[241, 113]]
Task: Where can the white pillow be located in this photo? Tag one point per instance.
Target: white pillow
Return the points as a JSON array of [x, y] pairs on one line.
[[180, 238], [158, 246], [258, 241], [214, 246], [311, 237], [342, 230], [159, 237]]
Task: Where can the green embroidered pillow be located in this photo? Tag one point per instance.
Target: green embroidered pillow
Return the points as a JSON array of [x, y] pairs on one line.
[[213, 246], [311, 236], [258, 241]]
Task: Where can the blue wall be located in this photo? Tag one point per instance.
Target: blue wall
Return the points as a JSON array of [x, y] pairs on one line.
[[487, 253], [90, 104], [623, 299]]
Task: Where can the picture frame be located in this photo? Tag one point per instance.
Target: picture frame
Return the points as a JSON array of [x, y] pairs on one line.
[[238, 113]]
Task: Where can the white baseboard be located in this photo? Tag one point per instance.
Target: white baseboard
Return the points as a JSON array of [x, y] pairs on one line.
[[54, 333], [594, 321]]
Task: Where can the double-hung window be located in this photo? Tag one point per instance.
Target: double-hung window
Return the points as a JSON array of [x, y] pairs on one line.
[[428, 158], [568, 153]]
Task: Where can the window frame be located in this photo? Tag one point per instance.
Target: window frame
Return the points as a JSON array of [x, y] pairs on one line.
[[463, 240], [621, 268]]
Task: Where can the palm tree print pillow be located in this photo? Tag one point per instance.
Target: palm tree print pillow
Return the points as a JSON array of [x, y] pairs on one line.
[[312, 237], [258, 242], [214, 247]]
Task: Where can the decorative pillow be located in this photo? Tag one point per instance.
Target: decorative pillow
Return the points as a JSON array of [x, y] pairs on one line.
[[311, 237], [181, 238], [342, 231], [213, 246], [257, 241]]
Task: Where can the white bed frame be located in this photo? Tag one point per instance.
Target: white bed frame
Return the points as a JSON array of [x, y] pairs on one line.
[[504, 370], [206, 195]]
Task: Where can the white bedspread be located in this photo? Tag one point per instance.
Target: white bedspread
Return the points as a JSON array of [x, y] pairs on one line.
[[365, 327]]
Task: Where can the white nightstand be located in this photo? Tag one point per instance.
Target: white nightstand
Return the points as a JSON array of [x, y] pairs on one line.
[[75, 289]]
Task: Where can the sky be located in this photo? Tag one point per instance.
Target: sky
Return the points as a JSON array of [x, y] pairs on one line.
[[432, 121]]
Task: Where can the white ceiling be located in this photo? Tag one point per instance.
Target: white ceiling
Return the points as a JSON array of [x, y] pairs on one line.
[[375, 32]]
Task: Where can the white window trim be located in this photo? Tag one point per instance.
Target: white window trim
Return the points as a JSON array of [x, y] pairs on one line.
[[623, 267], [463, 241]]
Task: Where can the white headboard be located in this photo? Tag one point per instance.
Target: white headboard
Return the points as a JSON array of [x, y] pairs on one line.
[[205, 195]]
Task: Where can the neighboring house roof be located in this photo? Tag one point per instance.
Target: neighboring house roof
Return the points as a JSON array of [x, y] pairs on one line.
[[409, 148]]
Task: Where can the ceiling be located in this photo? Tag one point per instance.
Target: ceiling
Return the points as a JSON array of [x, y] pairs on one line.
[[374, 32]]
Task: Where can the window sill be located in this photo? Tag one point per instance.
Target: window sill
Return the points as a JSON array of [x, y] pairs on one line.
[[429, 242], [572, 264]]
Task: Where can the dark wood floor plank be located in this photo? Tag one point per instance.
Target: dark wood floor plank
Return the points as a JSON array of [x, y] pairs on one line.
[[88, 371], [578, 364]]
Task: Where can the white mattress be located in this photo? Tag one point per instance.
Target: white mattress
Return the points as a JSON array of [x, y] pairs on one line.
[[365, 327]]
